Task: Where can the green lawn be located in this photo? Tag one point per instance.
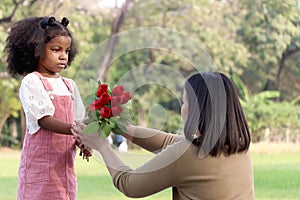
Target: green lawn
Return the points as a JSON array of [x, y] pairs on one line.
[[277, 177]]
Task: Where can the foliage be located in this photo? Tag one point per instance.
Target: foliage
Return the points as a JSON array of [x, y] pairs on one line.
[[270, 31], [263, 112], [9, 102], [258, 41]]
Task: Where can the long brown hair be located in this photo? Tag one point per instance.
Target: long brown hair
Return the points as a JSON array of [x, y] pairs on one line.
[[215, 111]]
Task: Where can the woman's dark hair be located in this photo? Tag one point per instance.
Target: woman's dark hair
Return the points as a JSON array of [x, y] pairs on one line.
[[215, 111], [25, 44]]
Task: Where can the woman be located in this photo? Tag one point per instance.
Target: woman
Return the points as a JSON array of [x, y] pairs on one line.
[[212, 161]]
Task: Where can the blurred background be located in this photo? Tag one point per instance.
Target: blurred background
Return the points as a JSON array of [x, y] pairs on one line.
[[256, 43]]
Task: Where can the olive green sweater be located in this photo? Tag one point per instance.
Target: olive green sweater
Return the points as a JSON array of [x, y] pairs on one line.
[[178, 165]]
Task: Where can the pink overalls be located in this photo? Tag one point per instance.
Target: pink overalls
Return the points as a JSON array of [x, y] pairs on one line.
[[47, 162]]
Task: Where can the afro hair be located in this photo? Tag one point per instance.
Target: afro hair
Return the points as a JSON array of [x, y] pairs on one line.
[[25, 44]]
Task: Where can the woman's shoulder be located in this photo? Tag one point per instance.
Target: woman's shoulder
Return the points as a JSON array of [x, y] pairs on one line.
[[179, 149]]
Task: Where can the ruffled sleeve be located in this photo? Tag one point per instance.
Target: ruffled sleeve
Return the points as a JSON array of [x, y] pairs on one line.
[[35, 101]]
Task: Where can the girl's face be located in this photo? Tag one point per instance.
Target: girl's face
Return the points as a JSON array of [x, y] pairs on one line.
[[185, 106], [56, 56]]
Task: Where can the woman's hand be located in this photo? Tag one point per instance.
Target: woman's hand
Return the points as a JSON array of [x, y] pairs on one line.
[[90, 141], [94, 141]]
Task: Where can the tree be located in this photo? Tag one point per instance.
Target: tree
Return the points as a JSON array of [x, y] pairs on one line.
[[255, 40], [9, 102], [272, 35]]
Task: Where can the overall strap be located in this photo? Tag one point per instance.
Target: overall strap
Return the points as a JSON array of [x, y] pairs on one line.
[[68, 84], [45, 82]]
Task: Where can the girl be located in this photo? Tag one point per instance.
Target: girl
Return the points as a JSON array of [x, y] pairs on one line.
[[40, 48]]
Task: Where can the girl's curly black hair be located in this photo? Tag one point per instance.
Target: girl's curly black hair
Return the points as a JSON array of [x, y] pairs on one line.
[[25, 44]]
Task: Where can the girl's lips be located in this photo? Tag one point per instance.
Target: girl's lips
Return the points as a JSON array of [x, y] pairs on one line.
[[61, 65]]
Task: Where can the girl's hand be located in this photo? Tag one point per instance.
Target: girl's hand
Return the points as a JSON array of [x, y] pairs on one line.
[[84, 151]]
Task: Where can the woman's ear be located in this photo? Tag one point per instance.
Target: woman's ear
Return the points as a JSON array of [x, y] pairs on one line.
[[65, 22]]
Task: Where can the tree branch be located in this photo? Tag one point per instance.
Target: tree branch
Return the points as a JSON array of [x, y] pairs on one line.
[[13, 12], [106, 59], [285, 55]]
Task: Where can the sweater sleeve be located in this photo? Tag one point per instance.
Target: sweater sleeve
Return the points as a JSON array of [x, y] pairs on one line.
[[159, 173], [154, 140]]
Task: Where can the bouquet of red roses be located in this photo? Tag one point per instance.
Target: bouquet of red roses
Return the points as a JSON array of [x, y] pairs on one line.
[[106, 109]]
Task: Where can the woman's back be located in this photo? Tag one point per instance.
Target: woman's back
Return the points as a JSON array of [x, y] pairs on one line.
[[179, 166], [214, 177]]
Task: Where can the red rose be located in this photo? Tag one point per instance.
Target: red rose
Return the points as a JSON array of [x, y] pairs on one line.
[[125, 97], [93, 106], [116, 110], [105, 112], [99, 103], [118, 90], [102, 88], [116, 100], [104, 99], [96, 105]]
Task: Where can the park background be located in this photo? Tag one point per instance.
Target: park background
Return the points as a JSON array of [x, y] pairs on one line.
[[255, 42]]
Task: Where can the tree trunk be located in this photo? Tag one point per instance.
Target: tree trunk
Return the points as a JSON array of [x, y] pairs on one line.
[[105, 60], [2, 122], [285, 55], [23, 127]]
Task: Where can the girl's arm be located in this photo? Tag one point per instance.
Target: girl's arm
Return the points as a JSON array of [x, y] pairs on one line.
[[55, 125]]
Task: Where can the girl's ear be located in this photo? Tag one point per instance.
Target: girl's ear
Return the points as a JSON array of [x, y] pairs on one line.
[[65, 22]]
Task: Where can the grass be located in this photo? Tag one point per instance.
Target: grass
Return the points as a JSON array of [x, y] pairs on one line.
[[276, 174], [277, 177]]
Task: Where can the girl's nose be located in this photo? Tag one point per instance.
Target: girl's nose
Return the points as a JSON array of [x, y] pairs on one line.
[[63, 56]]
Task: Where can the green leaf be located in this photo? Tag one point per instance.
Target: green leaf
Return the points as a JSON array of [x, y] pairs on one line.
[[93, 84], [92, 116], [90, 99], [120, 129], [92, 127], [106, 130], [112, 122]]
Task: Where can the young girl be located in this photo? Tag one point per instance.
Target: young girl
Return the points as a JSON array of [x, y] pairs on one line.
[[40, 48]]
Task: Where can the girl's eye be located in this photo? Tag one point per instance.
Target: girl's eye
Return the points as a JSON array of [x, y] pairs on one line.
[[55, 50]]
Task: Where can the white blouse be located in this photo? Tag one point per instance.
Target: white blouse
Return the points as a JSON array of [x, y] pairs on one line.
[[37, 103]]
